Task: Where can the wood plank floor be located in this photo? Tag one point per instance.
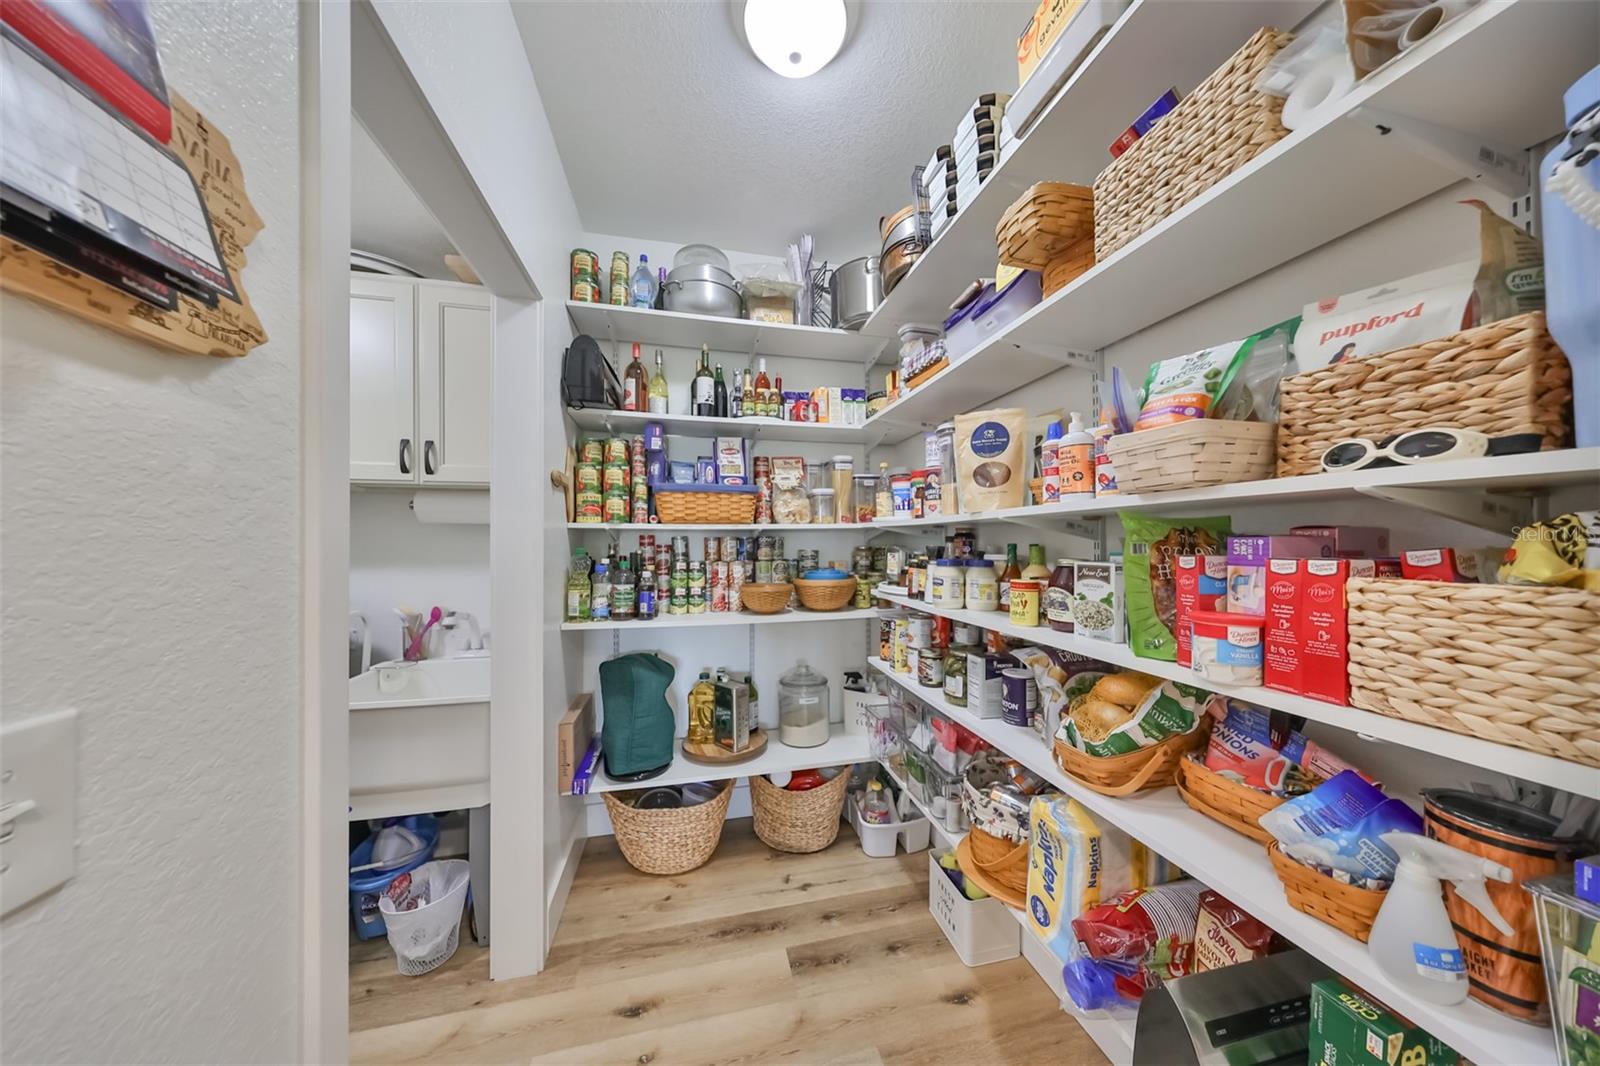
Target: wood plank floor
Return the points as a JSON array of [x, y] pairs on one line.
[[756, 957]]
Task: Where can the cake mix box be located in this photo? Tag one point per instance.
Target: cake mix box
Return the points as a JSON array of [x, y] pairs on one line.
[[1439, 564], [1282, 659], [1200, 583], [1323, 626]]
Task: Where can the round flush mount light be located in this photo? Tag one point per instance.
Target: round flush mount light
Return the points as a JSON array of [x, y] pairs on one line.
[[795, 38]]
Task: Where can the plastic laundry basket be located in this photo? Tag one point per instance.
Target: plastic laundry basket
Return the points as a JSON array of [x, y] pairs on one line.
[[425, 938]]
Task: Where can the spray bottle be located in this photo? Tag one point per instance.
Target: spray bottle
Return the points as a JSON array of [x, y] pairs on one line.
[[1412, 941]]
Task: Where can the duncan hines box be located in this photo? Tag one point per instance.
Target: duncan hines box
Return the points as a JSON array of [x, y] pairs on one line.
[[1200, 583], [1507, 278]]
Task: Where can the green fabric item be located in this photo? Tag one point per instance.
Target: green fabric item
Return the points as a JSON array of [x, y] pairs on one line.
[[636, 734]]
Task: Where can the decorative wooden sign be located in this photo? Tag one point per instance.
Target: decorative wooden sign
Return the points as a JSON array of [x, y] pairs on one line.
[[229, 329]]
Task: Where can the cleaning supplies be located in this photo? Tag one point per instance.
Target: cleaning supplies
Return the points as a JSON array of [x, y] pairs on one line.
[[1075, 458], [1412, 940]]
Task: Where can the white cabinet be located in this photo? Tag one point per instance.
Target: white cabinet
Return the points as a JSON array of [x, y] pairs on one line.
[[420, 361]]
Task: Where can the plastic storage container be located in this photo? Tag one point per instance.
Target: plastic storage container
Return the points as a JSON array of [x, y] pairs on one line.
[[979, 929], [989, 313], [822, 509], [1567, 942], [879, 841], [368, 885]]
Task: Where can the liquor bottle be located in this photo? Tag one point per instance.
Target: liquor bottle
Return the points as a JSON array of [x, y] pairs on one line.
[[635, 386], [661, 290], [658, 388], [1011, 571], [779, 408], [720, 393], [705, 393], [764, 404]]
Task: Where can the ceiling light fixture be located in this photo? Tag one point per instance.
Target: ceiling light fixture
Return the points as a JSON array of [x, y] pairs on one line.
[[795, 38]]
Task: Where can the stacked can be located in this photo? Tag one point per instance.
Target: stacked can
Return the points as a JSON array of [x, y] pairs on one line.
[[619, 279], [614, 479], [679, 603], [588, 498], [762, 472], [640, 479], [585, 276], [697, 587]]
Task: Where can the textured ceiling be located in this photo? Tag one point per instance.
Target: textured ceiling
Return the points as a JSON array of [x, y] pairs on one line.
[[385, 215], [670, 129]]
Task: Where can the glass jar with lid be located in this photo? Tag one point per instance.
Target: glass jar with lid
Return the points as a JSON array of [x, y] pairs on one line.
[[955, 673], [822, 512], [803, 704]]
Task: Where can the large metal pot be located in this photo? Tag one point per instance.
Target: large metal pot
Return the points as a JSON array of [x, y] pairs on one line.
[[702, 289], [857, 292]]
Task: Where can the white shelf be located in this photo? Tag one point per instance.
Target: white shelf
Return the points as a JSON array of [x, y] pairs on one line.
[[1531, 766], [841, 749], [1238, 867], [1111, 1030], [770, 527], [1499, 473], [676, 329], [627, 423], [723, 618], [982, 375], [1154, 46]]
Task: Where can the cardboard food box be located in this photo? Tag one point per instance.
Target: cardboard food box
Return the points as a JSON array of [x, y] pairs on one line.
[[1049, 20], [731, 715], [1348, 1029], [1439, 564], [1307, 638], [1247, 566], [1200, 583], [573, 734]]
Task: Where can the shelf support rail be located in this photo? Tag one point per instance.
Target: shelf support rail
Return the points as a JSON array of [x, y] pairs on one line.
[[1499, 166], [1484, 510]]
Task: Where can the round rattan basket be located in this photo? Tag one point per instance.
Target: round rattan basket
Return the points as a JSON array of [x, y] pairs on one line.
[[1239, 807], [799, 822], [766, 599], [827, 594], [1347, 908], [671, 840], [1123, 775]]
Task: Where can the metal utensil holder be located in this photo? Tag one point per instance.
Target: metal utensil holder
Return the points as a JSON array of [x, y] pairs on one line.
[[820, 280]]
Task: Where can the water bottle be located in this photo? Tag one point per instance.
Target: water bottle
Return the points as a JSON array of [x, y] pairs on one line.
[[643, 289]]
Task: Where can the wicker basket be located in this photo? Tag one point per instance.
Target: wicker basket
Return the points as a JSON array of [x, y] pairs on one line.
[[827, 594], [671, 840], [765, 599], [1192, 454], [800, 822], [1347, 908], [1501, 378], [1123, 775], [1044, 223], [1072, 262], [1003, 863], [1239, 807], [678, 505], [1512, 664], [1215, 130]]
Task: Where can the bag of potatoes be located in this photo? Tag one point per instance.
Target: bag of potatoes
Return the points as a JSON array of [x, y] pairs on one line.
[[991, 460]]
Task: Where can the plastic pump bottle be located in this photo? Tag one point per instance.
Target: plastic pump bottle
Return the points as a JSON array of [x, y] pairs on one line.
[[1075, 458], [1412, 941]]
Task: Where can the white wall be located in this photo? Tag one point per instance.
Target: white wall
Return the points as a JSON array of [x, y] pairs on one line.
[[396, 561], [151, 574]]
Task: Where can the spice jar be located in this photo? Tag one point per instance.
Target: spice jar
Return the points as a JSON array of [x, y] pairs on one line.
[[946, 587], [822, 512], [982, 585], [1025, 602], [955, 674], [1058, 597]]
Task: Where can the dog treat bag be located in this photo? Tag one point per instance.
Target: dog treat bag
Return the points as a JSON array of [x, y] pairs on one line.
[[990, 459]]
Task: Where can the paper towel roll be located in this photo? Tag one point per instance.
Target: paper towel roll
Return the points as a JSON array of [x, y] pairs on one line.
[[1323, 85], [461, 507]]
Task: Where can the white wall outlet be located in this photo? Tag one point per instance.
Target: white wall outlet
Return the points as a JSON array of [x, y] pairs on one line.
[[38, 806]]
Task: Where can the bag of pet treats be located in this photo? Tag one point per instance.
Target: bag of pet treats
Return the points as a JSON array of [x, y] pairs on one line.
[[1188, 386], [1150, 550]]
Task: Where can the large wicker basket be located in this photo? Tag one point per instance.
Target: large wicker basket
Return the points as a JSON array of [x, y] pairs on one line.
[[680, 505], [798, 821], [1239, 807], [1192, 454], [1076, 260], [1218, 128], [825, 594], [766, 599], [671, 840], [1501, 378], [1512, 664], [1044, 223], [1123, 775], [1347, 908]]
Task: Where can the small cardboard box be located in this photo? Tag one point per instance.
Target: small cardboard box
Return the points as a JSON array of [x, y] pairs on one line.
[[1247, 566], [1047, 23], [731, 715], [1283, 662], [573, 734], [1200, 583], [1347, 1029]]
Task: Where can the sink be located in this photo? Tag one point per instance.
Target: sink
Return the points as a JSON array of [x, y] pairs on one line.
[[419, 737]]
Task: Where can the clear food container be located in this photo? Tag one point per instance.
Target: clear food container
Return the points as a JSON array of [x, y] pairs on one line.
[[822, 510], [1569, 941], [944, 799], [803, 704]]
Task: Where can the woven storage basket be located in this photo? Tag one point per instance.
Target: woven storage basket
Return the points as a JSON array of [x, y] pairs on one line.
[[677, 507], [1347, 908], [1192, 454], [1059, 271], [1501, 378], [1123, 775], [828, 594], [1215, 130], [798, 821], [669, 840], [1043, 223], [765, 599], [1239, 807], [1002, 861], [1512, 664]]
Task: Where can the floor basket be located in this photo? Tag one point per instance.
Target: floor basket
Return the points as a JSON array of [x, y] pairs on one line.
[[1123, 775], [800, 822], [766, 599], [1347, 908], [1044, 223], [711, 505], [1511, 664], [671, 840], [1501, 378], [1239, 807], [1192, 454], [1215, 130], [827, 594]]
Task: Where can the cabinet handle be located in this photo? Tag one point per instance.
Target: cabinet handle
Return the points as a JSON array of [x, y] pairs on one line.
[[427, 458], [405, 455]]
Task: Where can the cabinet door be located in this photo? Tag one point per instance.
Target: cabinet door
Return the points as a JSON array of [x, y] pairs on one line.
[[383, 437], [454, 353]]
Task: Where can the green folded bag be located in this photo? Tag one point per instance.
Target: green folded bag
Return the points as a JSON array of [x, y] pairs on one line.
[[636, 734]]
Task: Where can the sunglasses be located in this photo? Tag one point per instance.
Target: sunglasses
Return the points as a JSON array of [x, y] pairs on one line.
[[1417, 446]]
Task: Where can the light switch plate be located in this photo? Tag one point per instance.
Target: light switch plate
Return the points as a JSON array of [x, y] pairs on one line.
[[39, 779]]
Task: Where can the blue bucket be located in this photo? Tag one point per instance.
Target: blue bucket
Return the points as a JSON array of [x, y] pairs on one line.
[[367, 886]]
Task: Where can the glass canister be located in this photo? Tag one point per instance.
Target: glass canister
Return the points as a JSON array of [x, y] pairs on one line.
[[945, 444], [841, 478], [955, 673], [803, 707]]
